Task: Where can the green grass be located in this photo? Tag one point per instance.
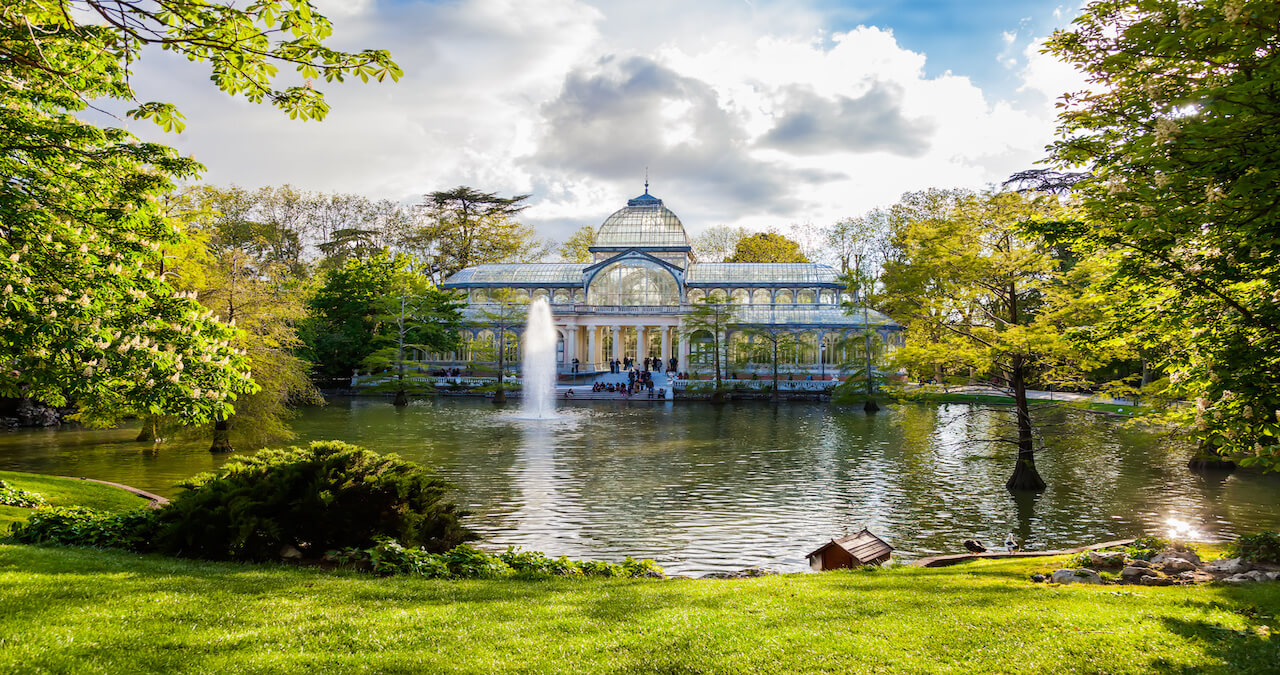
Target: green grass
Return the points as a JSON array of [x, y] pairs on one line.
[[992, 399], [59, 491], [80, 610]]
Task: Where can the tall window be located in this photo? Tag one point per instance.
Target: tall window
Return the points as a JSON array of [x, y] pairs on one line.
[[634, 283]]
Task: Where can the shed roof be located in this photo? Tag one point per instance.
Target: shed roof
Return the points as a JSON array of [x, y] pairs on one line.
[[863, 546]]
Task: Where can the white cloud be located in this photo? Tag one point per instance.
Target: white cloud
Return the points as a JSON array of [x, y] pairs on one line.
[[744, 114]]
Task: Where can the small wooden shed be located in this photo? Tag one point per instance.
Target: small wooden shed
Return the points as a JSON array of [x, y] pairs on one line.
[[854, 550]]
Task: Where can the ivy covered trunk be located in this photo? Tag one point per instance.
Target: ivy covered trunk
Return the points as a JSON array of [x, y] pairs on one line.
[[1025, 478]]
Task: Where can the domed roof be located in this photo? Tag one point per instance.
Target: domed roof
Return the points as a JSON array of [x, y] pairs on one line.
[[644, 222]]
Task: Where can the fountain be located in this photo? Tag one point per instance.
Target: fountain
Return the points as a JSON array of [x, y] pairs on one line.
[[538, 369]]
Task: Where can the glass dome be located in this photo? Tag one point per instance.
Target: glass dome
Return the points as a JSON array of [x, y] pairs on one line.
[[644, 222], [634, 283]]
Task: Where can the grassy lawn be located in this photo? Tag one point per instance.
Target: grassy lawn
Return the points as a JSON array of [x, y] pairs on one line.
[[65, 492], [940, 397], [80, 610]]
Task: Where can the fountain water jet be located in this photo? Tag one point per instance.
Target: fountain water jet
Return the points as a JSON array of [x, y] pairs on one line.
[[538, 369]]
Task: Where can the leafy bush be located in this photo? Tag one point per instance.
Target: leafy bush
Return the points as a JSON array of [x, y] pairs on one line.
[[329, 495], [1144, 548], [14, 496], [1080, 560], [1263, 547], [80, 526], [467, 562]]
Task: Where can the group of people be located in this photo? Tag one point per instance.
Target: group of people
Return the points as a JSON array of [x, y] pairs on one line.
[[449, 372], [638, 382], [650, 364]]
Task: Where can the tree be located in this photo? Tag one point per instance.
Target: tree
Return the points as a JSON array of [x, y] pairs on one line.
[[576, 248], [859, 243], [975, 283], [343, 315], [717, 243], [418, 316], [466, 227], [767, 247], [1178, 143], [85, 318], [250, 285], [714, 318], [505, 316], [771, 342]]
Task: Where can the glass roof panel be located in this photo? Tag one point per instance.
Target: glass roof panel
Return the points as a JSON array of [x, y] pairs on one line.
[[781, 273], [519, 273]]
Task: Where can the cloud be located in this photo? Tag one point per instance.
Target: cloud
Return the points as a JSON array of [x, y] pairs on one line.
[[622, 114], [746, 114], [812, 124]]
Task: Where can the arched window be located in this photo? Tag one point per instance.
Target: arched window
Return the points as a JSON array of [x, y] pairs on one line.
[[827, 297], [784, 296], [696, 295], [717, 295], [632, 283], [805, 296], [522, 295], [760, 296], [741, 296], [561, 297], [579, 296], [542, 293], [479, 295]]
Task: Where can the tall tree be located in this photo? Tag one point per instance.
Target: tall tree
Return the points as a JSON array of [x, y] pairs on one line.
[[505, 315], [466, 227], [84, 316], [1181, 160], [985, 297], [767, 247], [718, 242], [577, 247], [344, 314], [715, 319], [771, 342], [257, 289], [417, 317]]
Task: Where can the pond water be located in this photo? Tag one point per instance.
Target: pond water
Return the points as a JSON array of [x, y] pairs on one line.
[[704, 488]]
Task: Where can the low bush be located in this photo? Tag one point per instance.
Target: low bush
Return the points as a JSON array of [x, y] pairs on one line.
[[1263, 547], [329, 495], [15, 496], [80, 526], [387, 557]]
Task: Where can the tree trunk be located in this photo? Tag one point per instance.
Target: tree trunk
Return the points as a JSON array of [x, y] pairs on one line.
[[147, 434], [1025, 478], [221, 436], [402, 399], [1206, 458], [774, 391]]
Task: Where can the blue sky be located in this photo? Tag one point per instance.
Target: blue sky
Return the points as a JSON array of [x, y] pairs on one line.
[[759, 114]]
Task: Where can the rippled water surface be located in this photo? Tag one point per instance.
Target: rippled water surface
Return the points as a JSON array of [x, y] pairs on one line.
[[702, 488]]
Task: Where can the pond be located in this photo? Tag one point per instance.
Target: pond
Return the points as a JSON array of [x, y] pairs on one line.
[[704, 488]]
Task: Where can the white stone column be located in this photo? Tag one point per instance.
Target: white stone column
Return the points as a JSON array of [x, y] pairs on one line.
[[617, 342], [666, 345], [591, 345], [570, 345], [683, 362]]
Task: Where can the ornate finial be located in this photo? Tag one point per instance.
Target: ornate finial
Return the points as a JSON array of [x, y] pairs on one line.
[[646, 180]]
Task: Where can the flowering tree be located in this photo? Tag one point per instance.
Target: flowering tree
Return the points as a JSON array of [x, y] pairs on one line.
[[84, 316]]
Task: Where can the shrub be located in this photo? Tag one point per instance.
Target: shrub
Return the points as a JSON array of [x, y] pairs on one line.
[[1263, 547], [329, 495], [467, 562], [14, 496], [80, 526]]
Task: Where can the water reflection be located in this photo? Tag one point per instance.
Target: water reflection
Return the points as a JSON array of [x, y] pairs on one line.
[[703, 488]]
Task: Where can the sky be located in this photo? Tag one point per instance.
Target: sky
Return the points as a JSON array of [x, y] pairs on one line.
[[743, 112]]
